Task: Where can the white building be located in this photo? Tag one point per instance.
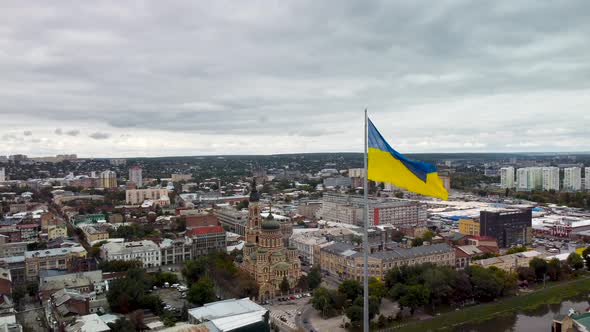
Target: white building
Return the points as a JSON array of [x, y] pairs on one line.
[[2, 174], [551, 178], [587, 178], [145, 251], [572, 179], [305, 244], [529, 178], [230, 315], [135, 176], [507, 177]]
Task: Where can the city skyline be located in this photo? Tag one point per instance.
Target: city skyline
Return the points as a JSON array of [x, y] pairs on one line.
[[147, 79]]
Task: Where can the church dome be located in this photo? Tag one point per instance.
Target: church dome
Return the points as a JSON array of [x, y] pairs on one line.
[[270, 225]]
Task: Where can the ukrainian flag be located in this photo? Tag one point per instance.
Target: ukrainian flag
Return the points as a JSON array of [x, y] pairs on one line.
[[387, 165]]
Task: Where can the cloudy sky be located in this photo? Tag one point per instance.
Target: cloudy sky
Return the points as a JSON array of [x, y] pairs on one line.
[[158, 78]]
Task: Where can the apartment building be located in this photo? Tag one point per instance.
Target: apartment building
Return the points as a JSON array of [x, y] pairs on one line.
[[145, 251], [507, 177], [342, 260], [305, 244], [572, 179], [57, 231], [176, 251], [95, 233], [138, 196], [551, 178]]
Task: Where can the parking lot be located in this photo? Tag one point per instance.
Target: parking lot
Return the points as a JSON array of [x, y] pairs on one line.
[[171, 296]]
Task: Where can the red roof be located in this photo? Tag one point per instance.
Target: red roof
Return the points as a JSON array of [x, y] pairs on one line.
[[207, 230]]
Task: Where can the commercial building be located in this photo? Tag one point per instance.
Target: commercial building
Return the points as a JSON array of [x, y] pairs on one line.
[[551, 178], [95, 233], [230, 315], [135, 176], [342, 260], [83, 282], [337, 181], [560, 226], [232, 219], [50, 259], [108, 179], [507, 177], [11, 249], [469, 227], [176, 251], [2, 174], [508, 227], [305, 244], [309, 209], [207, 239], [572, 179], [145, 251], [348, 209], [509, 263], [138, 196]]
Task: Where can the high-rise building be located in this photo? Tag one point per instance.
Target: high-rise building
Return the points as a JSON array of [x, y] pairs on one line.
[[508, 227], [108, 179], [507, 177], [135, 176], [587, 178], [521, 179], [551, 178], [2, 174], [572, 179], [529, 178]]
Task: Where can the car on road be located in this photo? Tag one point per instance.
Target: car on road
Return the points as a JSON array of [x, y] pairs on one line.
[[292, 297]]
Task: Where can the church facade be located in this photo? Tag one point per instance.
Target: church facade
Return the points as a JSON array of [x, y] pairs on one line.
[[265, 256]]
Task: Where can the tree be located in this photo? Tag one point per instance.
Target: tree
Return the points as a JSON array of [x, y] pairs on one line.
[[516, 250], [122, 325], [351, 289], [586, 256], [376, 288], [355, 314], [486, 284], [415, 297], [575, 261], [526, 273], [554, 269], [302, 283], [539, 265], [327, 301], [314, 278], [284, 286], [202, 292]]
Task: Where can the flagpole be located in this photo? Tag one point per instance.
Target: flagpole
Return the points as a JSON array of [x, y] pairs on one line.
[[366, 242]]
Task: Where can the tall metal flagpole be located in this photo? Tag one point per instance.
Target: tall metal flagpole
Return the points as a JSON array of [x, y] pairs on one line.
[[366, 242]]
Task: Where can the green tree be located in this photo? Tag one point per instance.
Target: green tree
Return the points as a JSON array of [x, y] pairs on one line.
[[586, 256], [122, 325], [486, 284], [202, 292], [516, 250], [376, 288], [284, 286], [355, 314], [415, 297], [575, 261], [539, 265], [302, 283], [554, 269], [351, 289], [328, 302], [314, 278]]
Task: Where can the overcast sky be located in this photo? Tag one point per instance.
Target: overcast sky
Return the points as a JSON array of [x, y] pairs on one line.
[[161, 78]]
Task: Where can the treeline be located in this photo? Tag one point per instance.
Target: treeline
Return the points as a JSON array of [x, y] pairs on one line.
[[413, 287], [577, 200]]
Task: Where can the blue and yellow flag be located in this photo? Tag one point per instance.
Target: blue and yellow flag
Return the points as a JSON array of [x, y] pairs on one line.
[[387, 165]]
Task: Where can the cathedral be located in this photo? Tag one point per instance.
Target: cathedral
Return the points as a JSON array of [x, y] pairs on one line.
[[265, 256]]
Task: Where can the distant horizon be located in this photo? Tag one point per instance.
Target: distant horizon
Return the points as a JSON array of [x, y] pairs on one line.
[[535, 153]]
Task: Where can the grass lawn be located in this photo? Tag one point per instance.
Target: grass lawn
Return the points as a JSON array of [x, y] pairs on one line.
[[552, 295]]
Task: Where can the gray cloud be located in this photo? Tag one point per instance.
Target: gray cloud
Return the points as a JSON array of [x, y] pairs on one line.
[[474, 76], [73, 132], [99, 135], [27, 133]]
